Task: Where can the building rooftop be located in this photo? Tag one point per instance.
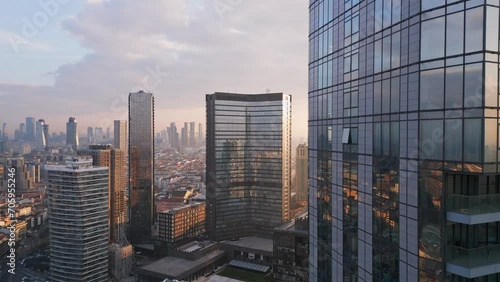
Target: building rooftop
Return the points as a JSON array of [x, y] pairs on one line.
[[299, 224], [179, 268], [174, 210], [253, 242]]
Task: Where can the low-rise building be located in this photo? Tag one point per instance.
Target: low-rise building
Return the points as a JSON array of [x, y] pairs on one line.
[[291, 250]]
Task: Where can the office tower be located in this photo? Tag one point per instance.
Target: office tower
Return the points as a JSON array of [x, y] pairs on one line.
[[173, 136], [141, 165], [30, 129], [90, 134], [40, 141], [98, 135], [108, 133], [301, 176], [121, 135], [185, 136], [79, 232], [403, 152], [22, 129], [17, 135], [46, 134], [201, 134], [114, 160], [72, 133], [4, 132], [192, 134], [291, 250], [248, 164]]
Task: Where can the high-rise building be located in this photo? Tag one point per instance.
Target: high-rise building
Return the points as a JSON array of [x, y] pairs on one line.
[[72, 133], [185, 136], [40, 141], [180, 224], [98, 135], [248, 163], [114, 160], [30, 129], [301, 176], [46, 133], [22, 129], [173, 136], [3, 136], [201, 134], [403, 140], [141, 165], [291, 250], [90, 134], [108, 133], [78, 211], [192, 134], [121, 135]]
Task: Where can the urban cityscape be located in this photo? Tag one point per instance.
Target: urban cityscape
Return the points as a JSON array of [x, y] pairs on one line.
[[329, 140]]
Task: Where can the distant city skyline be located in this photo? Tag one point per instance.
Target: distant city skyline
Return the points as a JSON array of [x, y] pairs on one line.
[[188, 41]]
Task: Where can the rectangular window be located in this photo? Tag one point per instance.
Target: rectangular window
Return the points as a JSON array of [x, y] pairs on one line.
[[472, 140], [396, 49], [432, 39], [454, 87], [378, 56], [395, 95], [490, 140], [431, 139], [453, 140], [474, 30], [432, 89], [473, 91], [455, 34], [491, 84], [492, 29]]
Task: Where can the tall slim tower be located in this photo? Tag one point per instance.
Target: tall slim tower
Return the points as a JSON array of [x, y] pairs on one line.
[[30, 129], [403, 140], [192, 133], [40, 141], [72, 133], [79, 232], [46, 134], [4, 132], [185, 135], [173, 136], [141, 165], [301, 175], [121, 135], [90, 135], [201, 134], [248, 164]]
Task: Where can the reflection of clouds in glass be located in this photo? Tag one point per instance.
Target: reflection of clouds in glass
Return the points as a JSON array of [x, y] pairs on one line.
[[432, 41], [432, 89], [454, 87], [474, 30]]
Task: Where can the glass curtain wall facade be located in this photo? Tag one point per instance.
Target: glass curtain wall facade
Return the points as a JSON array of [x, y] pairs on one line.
[[248, 164], [403, 140], [141, 166]]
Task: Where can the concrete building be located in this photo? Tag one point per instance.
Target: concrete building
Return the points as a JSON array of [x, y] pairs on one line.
[[79, 231], [72, 133], [141, 166], [180, 224], [403, 144], [248, 164], [121, 259], [192, 134]]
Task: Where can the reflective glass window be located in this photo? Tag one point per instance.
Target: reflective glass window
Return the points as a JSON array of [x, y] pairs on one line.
[[432, 89], [454, 87], [432, 39], [491, 85], [492, 29], [431, 139], [453, 140], [473, 91], [490, 140], [429, 4], [455, 34], [472, 140], [474, 30]]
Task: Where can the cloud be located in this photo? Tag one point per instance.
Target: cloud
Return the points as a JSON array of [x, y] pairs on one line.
[[180, 52]]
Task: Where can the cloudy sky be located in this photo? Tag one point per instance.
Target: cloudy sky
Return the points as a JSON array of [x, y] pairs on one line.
[[82, 58]]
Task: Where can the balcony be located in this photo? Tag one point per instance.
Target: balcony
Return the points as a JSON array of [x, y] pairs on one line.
[[472, 263], [472, 210]]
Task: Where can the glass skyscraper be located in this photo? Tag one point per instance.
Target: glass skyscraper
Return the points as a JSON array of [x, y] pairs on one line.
[[403, 140], [141, 165], [248, 164], [72, 133]]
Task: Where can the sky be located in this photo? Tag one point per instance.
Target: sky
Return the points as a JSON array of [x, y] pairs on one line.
[[63, 58]]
